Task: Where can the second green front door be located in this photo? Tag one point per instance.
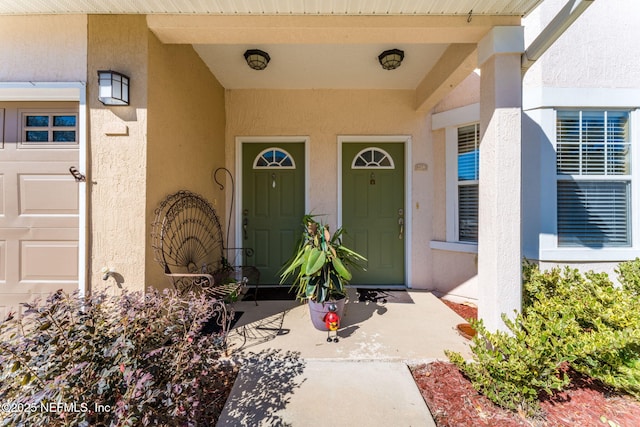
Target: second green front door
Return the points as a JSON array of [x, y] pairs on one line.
[[373, 210]]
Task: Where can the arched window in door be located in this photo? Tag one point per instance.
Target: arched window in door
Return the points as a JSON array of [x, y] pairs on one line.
[[372, 158], [274, 157]]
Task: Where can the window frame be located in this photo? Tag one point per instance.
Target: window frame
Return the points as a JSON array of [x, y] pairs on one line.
[[465, 183], [543, 246], [452, 187], [373, 164], [23, 113], [274, 165], [585, 176], [450, 121]]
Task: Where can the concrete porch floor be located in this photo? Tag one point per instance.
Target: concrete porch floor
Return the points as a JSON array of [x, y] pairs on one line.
[[414, 329], [291, 376]]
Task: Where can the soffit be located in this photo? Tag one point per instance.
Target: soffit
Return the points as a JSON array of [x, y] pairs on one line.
[[313, 44], [324, 66], [322, 52], [271, 7]]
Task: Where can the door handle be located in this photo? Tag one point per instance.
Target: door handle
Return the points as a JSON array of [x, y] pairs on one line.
[[77, 175], [401, 224], [245, 221]]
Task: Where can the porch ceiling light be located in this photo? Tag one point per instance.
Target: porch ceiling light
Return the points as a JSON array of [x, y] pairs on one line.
[[391, 59], [113, 88], [257, 59]]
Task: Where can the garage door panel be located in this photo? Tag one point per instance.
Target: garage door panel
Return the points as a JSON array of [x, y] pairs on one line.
[[10, 303], [3, 261], [39, 208], [1, 128], [48, 261], [48, 194], [49, 234], [2, 194]]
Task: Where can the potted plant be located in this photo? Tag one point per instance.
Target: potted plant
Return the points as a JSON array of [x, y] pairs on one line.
[[320, 270]]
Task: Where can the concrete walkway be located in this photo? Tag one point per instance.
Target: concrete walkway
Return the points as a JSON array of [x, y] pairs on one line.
[[291, 375]]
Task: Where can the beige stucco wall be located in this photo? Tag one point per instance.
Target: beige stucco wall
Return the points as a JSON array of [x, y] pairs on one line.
[[466, 93], [323, 115], [170, 137], [439, 171], [117, 151], [186, 121], [454, 274], [598, 50], [27, 48], [592, 65]]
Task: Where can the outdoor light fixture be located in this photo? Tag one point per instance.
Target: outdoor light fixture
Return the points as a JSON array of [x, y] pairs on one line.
[[113, 88], [257, 59], [391, 59]]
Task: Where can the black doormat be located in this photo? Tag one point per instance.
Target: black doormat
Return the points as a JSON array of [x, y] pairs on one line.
[[384, 296], [276, 293], [212, 326]]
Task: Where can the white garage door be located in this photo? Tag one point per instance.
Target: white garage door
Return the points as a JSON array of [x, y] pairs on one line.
[[38, 201]]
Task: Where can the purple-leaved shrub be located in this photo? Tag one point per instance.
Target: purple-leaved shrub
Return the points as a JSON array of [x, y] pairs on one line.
[[114, 360]]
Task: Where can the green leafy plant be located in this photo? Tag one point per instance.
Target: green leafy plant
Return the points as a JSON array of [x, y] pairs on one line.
[[629, 275], [512, 368], [320, 264], [568, 320], [113, 360]]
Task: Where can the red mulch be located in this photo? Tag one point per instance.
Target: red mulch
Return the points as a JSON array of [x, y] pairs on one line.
[[453, 402], [465, 311]]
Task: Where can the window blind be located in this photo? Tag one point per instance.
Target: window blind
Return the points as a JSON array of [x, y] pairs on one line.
[[468, 169], [593, 143], [468, 152], [468, 213], [593, 188], [593, 213]]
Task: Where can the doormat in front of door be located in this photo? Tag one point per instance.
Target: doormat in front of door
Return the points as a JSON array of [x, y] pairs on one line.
[[277, 293], [212, 326], [384, 296]]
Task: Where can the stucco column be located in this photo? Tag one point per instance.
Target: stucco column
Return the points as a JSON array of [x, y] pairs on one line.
[[117, 172], [499, 233]]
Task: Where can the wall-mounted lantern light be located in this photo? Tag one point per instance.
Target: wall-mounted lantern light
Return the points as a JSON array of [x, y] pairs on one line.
[[391, 59], [257, 59], [113, 88]]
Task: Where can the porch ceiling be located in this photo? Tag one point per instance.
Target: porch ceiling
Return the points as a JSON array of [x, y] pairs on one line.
[[335, 52], [272, 7], [328, 44], [320, 66]]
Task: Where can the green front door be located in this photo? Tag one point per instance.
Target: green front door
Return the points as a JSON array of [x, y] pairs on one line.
[[373, 209], [272, 204]]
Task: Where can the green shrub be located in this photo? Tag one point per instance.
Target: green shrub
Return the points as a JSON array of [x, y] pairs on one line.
[[123, 360], [512, 368], [567, 319], [629, 275]]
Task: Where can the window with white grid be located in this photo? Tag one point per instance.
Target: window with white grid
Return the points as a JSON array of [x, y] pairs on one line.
[[593, 163], [55, 129]]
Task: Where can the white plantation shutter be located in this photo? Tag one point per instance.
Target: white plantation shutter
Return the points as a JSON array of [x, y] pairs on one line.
[[594, 178], [468, 168]]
